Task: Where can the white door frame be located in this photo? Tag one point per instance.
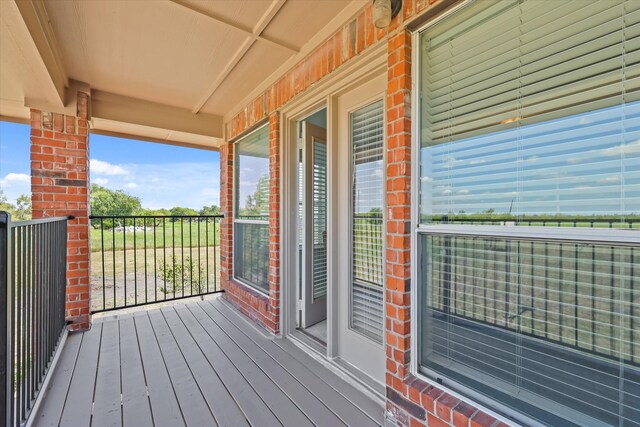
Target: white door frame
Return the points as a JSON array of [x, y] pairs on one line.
[[323, 93]]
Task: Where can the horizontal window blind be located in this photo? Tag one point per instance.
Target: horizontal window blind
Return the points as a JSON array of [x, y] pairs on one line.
[[526, 62], [553, 325], [367, 139], [319, 219], [531, 108], [251, 254]]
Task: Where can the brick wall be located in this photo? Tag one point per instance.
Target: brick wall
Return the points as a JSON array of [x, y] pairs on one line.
[[60, 187], [410, 400]]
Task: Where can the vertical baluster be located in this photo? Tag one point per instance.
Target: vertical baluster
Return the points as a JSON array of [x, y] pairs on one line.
[[135, 264], [155, 260], [144, 227], [124, 252], [113, 251], [190, 263], [216, 225], [182, 253], [206, 242], [104, 283]]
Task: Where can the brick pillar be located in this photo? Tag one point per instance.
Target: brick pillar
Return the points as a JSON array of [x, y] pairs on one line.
[[274, 221], [226, 209], [60, 187], [398, 273]]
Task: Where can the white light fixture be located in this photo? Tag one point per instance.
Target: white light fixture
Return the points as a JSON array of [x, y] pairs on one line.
[[384, 11]]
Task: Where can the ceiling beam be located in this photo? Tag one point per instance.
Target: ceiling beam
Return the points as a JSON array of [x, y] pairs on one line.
[[36, 19], [236, 26], [123, 109], [256, 33]]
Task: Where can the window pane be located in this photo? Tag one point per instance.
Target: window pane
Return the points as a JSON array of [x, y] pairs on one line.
[[251, 255], [367, 139], [530, 113], [530, 116], [251, 239], [536, 325], [252, 176]]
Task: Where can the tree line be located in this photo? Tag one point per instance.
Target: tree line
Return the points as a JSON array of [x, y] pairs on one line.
[[107, 202]]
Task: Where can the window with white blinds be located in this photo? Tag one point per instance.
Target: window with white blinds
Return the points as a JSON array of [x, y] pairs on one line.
[[367, 145], [251, 217], [529, 117], [319, 219]]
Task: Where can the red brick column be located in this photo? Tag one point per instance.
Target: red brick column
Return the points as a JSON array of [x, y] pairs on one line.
[[226, 209], [398, 268], [60, 187], [274, 222], [410, 400]]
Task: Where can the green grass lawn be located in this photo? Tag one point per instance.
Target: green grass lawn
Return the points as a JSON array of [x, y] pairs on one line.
[[171, 234]]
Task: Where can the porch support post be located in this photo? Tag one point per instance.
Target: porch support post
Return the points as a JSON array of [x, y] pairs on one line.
[[60, 187], [398, 269], [226, 209], [273, 316]]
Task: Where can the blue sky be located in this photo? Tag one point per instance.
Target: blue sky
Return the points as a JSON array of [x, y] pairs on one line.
[[163, 176]]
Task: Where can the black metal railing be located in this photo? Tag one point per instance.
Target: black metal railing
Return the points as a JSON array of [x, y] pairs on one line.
[[137, 260], [32, 277], [578, 295], [251, 250], [575, 222]]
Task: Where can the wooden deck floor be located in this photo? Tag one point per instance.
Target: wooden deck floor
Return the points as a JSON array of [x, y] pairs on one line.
[[196, 364]]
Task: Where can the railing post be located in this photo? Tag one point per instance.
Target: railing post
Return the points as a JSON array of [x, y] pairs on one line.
[[5, 318]]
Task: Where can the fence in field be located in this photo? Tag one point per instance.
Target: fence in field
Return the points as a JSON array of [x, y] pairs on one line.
[[139, 260], [32, 309]]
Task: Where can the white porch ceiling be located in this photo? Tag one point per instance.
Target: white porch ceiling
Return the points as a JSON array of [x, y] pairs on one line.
[[195, 57]]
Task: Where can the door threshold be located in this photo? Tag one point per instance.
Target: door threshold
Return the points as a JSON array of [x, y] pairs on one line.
[[343, 369], [314, 343]]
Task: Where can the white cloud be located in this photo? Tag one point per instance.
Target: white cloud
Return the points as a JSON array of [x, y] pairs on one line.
[[101, 181], [477, 162], [105, 168], [618, 150], [462, 192], [613, 179], [13, 185], [19, 178], [630, 148], [192, 184]]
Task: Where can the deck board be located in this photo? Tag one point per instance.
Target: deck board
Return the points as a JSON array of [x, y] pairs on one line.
[[77, 411], [164, 404], [313, 407], [107, 406], [343, 399], [194, 407], [255, 409], [56, 392], [136, 408], [225, 409], [283, 408], [195, 364]]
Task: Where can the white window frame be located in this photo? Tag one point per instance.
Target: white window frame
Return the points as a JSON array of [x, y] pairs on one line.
[[619, 237], [235, 220]]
